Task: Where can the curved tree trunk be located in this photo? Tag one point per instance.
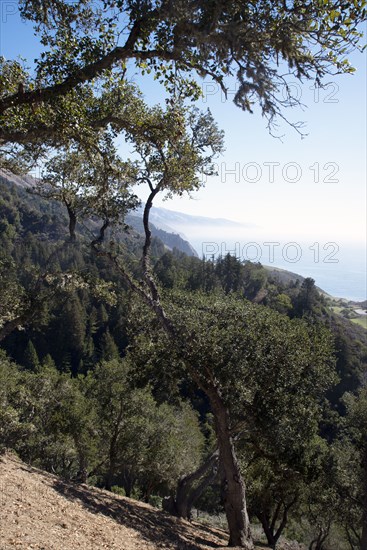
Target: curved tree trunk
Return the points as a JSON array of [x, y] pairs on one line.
[[265, 523], [191, 487], [269, 521], [235, 497], [234, 486], [318, 543]]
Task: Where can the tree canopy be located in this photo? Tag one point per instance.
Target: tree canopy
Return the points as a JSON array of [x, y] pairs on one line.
[[89, 47], [260, 372]]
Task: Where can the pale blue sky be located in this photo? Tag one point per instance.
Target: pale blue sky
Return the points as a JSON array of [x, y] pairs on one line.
[[294, 205]]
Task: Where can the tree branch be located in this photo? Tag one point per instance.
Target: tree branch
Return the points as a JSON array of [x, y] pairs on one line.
[[190, 479], [93, 70], [147, 245]]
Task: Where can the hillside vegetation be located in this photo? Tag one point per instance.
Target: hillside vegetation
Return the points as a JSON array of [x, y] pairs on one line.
[[85, 395], [215, 388]]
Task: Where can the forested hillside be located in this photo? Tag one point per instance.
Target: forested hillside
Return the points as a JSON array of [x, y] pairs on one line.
[[213, 386], [84, 394]]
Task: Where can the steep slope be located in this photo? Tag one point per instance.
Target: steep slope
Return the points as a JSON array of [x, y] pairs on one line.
[[50, 218], [40, 511], [170, 239]]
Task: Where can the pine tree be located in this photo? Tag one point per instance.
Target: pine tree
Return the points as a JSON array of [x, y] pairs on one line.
[[31, 360], [48, 362], [102, 316], [109, 349], [93, 321]]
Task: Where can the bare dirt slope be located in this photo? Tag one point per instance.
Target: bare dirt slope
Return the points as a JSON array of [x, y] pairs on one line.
[[39, 511]]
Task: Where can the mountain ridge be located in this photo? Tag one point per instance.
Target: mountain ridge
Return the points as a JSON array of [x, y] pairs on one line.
[[170, 240]]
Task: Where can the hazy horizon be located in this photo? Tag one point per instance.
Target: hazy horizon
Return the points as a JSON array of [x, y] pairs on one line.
[[338, 267], [309, 189]]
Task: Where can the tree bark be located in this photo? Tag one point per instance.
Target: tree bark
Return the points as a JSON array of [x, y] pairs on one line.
[[265, 522], [72, 222], [198, 491], [318, 543], [234, 486], [271, 534], [128, 481], [110, 475], [187, 493], [112, 452]]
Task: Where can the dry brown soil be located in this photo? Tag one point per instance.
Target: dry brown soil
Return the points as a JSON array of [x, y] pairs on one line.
[[40, 511]]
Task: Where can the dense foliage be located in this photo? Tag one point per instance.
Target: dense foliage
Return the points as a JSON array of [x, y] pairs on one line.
[[90, 378], [94, 325]]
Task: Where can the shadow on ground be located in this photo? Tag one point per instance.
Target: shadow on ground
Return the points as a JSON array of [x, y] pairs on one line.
[[153, 525]]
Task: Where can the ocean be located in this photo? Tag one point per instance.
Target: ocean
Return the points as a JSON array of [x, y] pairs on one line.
[[339, 270]]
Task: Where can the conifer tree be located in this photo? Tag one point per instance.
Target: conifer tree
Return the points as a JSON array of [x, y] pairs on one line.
[[109, 349], [31, 360]]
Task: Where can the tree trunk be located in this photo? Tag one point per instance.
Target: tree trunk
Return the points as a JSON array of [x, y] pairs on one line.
[[128, 481], [318, 543], [265, 522], [72, 222], [273, 533], [112, 452], [148, 491], [269, 521], [182, 501], [82, 475], [234, 487], [186, 493], [235, 498], [198, 491], [364, 528], [110, 476], [190, 488]]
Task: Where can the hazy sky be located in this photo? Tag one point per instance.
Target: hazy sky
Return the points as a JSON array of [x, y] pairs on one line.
[[308, 189]]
